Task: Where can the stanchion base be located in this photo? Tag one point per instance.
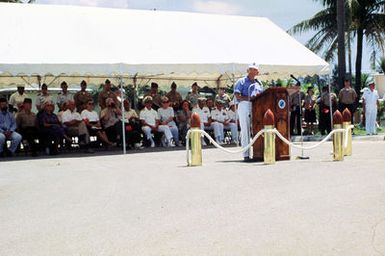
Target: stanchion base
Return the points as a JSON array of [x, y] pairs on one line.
[[302, 158]]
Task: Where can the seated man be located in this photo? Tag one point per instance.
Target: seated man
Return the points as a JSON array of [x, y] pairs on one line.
[[8, 128], [26, 124], [50, 127], [219, 120], [150, 123], [75, 126], [233, 122], [91, 119]]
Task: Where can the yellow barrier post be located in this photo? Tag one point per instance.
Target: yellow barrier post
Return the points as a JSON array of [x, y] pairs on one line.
[[196, 142], [347, 118], [338, 150], [269, 140]]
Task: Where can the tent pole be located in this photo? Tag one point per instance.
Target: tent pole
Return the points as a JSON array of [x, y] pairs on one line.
[[122, 109]]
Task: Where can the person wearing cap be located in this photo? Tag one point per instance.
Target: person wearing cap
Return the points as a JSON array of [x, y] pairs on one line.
[[151, 123], [63, 96], [221, 121], [42, 97], [82, 97], [8, 128], [296, 100], [204, 114], [193, 96], [174, 97], [156, 98], [223, 97], [167, 117], [105, 94], [309, 105], [17, 98], [370, 103], [347, 97], [26, 123], [247, 88], [210, 103], [233, 121]]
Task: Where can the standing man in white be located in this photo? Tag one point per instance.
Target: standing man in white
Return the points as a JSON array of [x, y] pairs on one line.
[[247, 88], [370, 101]]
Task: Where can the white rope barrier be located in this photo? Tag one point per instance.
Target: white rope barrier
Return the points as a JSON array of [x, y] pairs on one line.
[[279, 135]]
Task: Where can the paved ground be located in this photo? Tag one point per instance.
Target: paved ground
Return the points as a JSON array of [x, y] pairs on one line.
[[152, 204]]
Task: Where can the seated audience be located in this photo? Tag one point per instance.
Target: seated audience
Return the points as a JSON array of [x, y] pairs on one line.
[[74, 126], [26, 124], [156, 101], [183, 119], [133, 127], [110, 120], [167, 117], [51, 129], [91, 119], [150, 123], [8, 129]]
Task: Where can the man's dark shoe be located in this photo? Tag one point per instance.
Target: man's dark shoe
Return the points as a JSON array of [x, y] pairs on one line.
[[247, 159]]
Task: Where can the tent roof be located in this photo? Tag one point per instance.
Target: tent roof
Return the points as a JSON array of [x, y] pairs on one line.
[[40, 39]]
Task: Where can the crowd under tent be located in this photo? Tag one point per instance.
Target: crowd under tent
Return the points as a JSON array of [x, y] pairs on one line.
[[48, 43]]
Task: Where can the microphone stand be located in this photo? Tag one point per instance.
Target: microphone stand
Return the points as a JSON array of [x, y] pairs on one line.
[[301, 157]]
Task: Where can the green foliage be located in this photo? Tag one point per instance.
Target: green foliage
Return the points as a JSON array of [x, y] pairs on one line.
[[381, 65]]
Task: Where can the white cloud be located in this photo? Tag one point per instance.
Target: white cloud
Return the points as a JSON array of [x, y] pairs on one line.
[[216, 7]]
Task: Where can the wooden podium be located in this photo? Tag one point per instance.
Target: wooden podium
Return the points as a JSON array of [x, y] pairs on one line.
[[277, 100]]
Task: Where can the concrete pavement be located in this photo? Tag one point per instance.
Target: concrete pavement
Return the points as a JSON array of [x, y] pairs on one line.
[[152, 204]]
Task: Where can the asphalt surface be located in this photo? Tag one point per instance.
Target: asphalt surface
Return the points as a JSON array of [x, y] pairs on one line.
[[152, 204]]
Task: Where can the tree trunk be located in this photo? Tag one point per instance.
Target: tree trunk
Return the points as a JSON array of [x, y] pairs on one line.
[[341, 43], [360, 38], [349, 53]]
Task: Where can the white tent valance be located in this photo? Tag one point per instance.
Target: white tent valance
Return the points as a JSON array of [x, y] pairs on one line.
[[89, 41]]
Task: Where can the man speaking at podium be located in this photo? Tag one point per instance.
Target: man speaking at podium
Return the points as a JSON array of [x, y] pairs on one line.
[[246, 89]]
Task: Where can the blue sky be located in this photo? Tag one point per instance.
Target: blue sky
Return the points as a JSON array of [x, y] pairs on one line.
[[282, 12]]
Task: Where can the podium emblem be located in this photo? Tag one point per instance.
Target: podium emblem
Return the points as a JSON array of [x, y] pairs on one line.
[[281, 104]]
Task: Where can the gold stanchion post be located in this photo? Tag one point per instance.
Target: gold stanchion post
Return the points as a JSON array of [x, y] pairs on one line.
[[269, 140], [196, 142], [347, 118], [338, 150]]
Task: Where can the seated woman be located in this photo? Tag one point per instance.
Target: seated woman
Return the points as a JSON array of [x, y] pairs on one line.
[[51, 128], [133, 127], [110, 120], [91, 119], [167, 116], [183, 119]]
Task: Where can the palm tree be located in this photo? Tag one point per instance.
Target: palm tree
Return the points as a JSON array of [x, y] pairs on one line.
[[368, 19], [362, 17], [341, 42]]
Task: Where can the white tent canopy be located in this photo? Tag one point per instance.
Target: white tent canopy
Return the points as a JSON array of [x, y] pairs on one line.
[[75, 42]]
